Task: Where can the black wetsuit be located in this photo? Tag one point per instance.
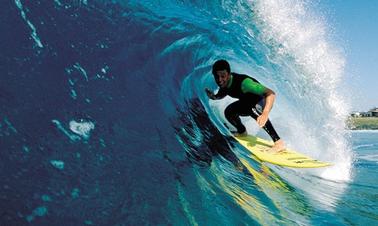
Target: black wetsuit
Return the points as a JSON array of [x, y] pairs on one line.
[[246, 105]]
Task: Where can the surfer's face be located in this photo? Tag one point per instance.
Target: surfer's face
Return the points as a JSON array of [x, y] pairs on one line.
[[222, 78]]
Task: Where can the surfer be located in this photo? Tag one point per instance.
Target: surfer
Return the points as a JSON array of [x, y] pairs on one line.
[[251, 94]]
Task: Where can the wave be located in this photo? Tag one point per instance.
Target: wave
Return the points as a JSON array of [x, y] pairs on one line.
[[117, 90]]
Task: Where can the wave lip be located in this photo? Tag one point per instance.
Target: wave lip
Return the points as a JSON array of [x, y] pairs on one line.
[[300, 37]]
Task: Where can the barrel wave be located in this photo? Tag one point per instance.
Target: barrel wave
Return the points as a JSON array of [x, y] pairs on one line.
[[104, 118]]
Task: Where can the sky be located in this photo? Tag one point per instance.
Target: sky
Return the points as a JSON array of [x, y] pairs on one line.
[[354, 26]]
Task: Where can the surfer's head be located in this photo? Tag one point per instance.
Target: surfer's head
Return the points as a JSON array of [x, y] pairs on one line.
[[221, 72]]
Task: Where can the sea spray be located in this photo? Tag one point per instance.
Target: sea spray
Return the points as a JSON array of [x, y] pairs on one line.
[[295, 32]]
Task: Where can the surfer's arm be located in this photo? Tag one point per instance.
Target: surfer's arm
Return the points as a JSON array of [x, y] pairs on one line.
[[250, 86], [270, 96], [217, 96]]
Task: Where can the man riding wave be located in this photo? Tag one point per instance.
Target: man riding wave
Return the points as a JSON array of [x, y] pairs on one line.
[[250, 93]]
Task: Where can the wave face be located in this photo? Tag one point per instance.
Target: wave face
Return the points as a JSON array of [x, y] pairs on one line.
[[103, 111]]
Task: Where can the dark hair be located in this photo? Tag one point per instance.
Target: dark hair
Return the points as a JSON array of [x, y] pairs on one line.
[[221, 65]]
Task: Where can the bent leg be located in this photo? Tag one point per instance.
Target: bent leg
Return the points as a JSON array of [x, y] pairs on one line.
[[233, 113]]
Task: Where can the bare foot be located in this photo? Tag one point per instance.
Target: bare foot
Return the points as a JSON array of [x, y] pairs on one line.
[[278, 146]]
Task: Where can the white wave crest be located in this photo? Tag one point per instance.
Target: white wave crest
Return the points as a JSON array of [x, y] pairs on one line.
[[294, 31]]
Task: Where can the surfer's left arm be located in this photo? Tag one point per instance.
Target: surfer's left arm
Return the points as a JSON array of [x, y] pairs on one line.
[[269, 96], [251, 86]]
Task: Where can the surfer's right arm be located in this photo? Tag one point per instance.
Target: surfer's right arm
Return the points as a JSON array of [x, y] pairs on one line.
[[213, 96]]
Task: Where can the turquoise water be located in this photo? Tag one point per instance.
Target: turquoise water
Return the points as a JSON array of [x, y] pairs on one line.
[[362, 195], [104, 119], [284, 196]]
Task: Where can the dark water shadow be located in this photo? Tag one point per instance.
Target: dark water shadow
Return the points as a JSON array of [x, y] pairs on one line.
[[202, 140]]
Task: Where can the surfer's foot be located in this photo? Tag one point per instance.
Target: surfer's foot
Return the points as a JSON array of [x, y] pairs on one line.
[[278, 146], [237, 134]]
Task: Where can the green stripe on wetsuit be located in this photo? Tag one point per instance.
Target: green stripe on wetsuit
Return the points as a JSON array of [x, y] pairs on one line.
[[250, 86]]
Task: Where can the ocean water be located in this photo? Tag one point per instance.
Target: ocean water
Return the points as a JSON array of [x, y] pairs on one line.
[[104, 119]]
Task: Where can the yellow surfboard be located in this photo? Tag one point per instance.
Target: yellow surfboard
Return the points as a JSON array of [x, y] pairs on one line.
[[289, 158]]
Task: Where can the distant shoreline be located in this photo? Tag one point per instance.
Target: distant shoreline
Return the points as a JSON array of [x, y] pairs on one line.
[[363, 123]]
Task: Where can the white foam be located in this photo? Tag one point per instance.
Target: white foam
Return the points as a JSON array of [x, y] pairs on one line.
[[295, 32], [31, 26], [82, 128]]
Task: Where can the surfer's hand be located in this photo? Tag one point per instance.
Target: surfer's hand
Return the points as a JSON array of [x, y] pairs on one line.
[[210, 94], [262, 119]]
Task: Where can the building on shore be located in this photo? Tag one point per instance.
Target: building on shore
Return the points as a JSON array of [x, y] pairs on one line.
[[355, 114], [371, 113], [374, 112]]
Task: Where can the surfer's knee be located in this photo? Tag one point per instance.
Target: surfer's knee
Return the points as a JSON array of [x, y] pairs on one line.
[[229, 112]]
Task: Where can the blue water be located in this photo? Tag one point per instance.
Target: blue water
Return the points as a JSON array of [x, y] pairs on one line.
[[104, 119]]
